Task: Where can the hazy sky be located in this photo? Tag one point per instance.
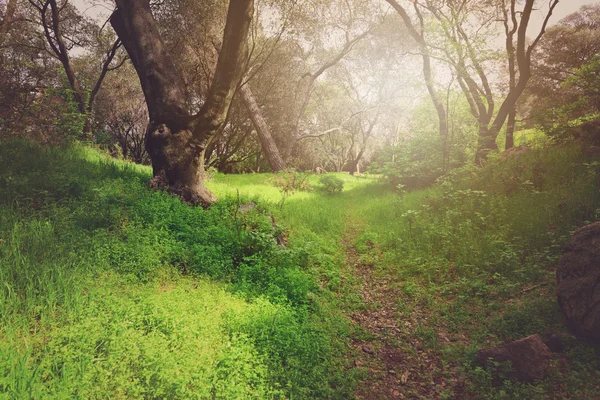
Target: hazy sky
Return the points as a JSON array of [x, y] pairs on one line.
[[564, 8]]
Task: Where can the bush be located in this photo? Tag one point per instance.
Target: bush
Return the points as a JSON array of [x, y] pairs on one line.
[[332, 184], [290, 181]]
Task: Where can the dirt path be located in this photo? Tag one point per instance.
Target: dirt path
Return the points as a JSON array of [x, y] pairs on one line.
[[390, 350]]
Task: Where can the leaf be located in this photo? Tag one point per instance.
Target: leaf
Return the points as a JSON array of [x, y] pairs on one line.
[[404, 377]]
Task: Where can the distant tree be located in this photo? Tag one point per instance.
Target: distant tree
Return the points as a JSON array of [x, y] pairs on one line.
[[566, 53], [462, 26], [63, 29], [120, 116], [417, 32], [7, 19], [176, 139]]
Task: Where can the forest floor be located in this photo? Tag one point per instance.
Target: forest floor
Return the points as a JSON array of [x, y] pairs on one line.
[[393, 362]]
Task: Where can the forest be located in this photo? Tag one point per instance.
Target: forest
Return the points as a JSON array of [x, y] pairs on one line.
[[300, 199]]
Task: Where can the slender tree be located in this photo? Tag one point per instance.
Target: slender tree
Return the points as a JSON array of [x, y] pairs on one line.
[[418, 34], [176, 139], [11, 7], [50, 14], [510, 28]]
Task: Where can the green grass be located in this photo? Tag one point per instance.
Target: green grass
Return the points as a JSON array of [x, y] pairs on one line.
[[110, 290], [464, 255]]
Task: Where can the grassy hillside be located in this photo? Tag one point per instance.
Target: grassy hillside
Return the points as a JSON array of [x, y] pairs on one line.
[[109, 290]]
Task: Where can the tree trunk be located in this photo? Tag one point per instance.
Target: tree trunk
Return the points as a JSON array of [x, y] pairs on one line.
[[486, 143], [175, 139], [510, 130], [262, 130]]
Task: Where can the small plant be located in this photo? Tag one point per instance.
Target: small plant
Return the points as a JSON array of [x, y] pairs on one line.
[[411, 217], [332, 184], [290, 181]]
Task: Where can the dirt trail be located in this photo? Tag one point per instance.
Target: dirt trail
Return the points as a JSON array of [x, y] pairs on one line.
[[391, 354]]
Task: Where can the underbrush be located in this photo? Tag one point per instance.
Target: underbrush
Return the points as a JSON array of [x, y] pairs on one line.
[[108, 289], [475, 259]]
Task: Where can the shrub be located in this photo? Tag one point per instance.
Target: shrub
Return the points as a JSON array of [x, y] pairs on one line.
[[290, 181], [332, 184]]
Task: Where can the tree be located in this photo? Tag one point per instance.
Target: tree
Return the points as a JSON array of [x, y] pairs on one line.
[[120, 116], [418, 34], [53, 17], [464, 54], [176, 139], [7, 18], [262, 129], [555, 96]]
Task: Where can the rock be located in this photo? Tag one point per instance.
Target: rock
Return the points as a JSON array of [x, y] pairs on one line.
[[515, 152], [368, 349], [530, 357], [578, 277]]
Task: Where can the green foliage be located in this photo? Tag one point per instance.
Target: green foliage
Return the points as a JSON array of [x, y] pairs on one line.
[[587, 79], [70, 121], [418, 160], [289, 181], [108, 289], [332, 184]]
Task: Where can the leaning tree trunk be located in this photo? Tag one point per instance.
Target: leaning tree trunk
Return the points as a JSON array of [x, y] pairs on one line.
[[175, 139], [262, 130]]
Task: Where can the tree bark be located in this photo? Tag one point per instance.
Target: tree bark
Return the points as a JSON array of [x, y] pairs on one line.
[[262, 130], [175, 139], [510, 28]]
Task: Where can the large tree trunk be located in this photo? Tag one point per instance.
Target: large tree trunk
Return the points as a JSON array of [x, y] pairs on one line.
[[175, 139], [262, 130]]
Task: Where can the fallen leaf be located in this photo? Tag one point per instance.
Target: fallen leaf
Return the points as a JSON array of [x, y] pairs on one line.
[[404, 377]]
